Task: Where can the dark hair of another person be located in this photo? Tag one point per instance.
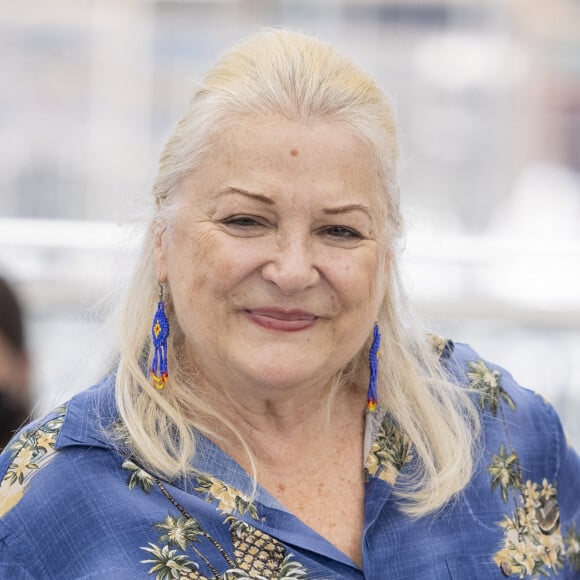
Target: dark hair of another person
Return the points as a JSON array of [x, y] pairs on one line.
[[13, 412], [11, 319]]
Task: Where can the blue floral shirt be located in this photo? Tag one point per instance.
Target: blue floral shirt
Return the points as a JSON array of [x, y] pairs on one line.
[[72, 507]]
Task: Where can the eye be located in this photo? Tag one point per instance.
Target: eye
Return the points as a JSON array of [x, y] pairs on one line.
[[342, 233], [242, 221], [245, 225]]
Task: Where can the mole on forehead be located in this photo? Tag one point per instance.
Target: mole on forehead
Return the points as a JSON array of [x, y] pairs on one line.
[[294, 152]]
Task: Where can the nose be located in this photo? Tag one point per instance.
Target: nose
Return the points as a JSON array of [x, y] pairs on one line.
[[291, 268]]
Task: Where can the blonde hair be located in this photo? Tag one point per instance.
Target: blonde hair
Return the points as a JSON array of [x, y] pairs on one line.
[[287, 73]]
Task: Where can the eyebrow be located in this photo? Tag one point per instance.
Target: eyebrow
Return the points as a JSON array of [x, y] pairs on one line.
[[239, 191], [348, 208]]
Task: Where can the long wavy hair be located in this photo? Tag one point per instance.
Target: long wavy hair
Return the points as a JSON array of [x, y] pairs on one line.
[[287, 73]]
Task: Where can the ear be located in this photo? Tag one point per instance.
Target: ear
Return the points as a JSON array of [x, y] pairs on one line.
[[160, 251]]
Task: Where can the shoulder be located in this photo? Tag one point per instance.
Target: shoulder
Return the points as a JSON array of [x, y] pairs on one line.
[[511, 415], [526, 461], [507, 409], [29, 452], [78, 423], [496, 393], [81, 424], [56, 476], [520, 428]]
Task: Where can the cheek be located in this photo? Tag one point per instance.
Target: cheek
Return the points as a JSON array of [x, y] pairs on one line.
[[208, 264], [360, 279]]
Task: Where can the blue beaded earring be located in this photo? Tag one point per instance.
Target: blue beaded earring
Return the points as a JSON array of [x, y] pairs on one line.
[[373, 369], [159, 334]]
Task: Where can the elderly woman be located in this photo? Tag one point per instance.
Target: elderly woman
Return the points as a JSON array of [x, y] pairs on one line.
[[281, 417]]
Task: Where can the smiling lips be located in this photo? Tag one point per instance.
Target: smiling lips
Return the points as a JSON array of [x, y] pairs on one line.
[[280, 319]]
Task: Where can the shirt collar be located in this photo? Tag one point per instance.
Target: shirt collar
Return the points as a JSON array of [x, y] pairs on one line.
[[89, 417]]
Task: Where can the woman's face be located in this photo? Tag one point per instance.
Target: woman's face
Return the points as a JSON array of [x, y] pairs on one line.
[[276, 258]]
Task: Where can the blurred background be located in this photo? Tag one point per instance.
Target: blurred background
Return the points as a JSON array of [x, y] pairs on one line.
[[488, 99]]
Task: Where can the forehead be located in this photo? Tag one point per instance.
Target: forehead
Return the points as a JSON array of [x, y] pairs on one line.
[[275, 138], [274, 155]]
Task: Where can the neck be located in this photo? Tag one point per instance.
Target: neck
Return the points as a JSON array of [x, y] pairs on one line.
[[299, 424]]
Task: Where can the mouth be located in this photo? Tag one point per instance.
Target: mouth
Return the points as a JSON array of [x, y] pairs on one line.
[[281, 319]]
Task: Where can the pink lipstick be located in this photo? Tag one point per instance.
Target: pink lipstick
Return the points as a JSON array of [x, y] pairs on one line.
[[280, 319]]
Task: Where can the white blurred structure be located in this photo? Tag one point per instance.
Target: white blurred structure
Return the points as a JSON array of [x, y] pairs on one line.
[[473, 288]]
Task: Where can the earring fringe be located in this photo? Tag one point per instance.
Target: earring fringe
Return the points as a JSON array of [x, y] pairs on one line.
[[373, 369], [159, 334]]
